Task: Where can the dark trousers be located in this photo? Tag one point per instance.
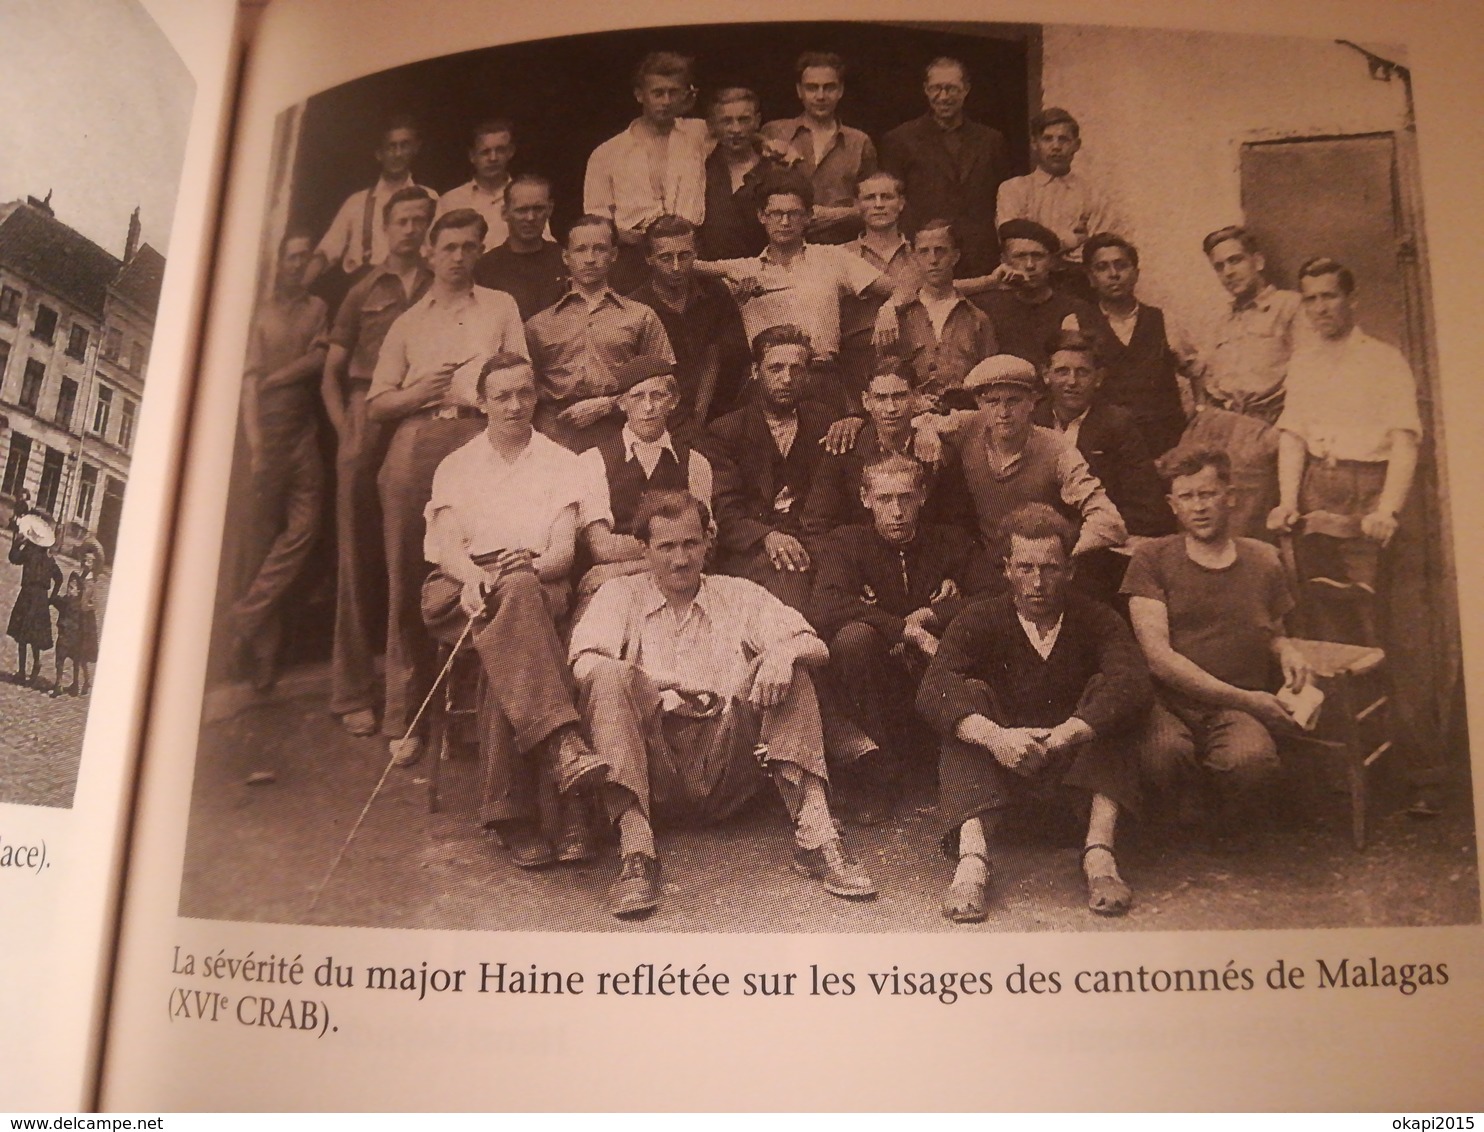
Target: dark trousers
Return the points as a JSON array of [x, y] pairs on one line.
[[877, 690], [360, 565]]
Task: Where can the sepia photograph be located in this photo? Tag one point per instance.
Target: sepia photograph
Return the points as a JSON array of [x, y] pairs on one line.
[[87, 197], [799, 477]]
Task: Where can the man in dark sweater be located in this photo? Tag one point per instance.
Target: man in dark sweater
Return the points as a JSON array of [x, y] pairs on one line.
[[884, 591], [1027, 310], [527, 266], [765, 455], [1029, 692]]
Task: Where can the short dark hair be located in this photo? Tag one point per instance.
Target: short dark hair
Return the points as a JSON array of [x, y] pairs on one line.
[[665, 228], [862, 178], [400, 122], [784, 334], [1190, 460], [939, 224], [785, 182], [459, 218], [593, 220], [492, 126], [735, 94], [501, 361], [1230, 232], [529, 179], [894, 463], [1324, 265], [406, 195], [667, 503], [1100, 241], [889, 366], [1036, 521], [296, 232], [666, 64], [1043, 120], [818, 59], [946, 61], [1073, 341]]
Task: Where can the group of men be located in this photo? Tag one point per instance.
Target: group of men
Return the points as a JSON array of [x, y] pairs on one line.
[[801, 456]]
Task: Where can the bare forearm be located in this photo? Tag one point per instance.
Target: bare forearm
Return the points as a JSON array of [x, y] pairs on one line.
[[1401, 469]]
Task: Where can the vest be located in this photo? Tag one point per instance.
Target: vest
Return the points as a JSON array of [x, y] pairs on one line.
[[1142, 375], [627, 481], [1034, 481]]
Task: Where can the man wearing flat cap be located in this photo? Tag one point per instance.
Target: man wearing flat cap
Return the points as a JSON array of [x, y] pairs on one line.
[[1027, 310], [642, 457]]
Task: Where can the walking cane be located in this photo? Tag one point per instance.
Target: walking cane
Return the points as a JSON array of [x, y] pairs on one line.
[[411, 727]]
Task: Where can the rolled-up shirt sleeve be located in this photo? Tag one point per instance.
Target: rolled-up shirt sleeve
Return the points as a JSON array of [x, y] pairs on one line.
[[1102, 525]]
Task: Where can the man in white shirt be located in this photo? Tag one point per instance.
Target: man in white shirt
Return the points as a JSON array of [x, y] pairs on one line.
[[424, 381], [504, 516], [1347, 450], [655, 167], [695, 691], [356, 238], [490, 154]]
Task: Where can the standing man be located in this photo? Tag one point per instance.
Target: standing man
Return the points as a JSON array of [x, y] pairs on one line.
[[951, 165], [578, 344], [1347, 453], [490, 154], [361, 325], [285, 353], [356, 238], [528, 266], [504, 516], [879, 201], [655, 167], [1028, 310], [833, 155], [1141, 368], [1071, 205], [765, 455], [1030, 692], [941, 335], [695, 690], [886, 589], [703, 325], [735, 172], [1208, 610], [424, 382]]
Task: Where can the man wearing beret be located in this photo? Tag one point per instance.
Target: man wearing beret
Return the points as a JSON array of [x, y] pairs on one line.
[[1027, 310]]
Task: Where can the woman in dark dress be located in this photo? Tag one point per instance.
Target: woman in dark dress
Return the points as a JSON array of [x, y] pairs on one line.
[[31, 616]]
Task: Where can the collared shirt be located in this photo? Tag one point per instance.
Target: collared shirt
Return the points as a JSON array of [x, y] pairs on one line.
[[356, 237], [1247, 357], [1072, 430], [850, 154], [577, 347], [283, 331], [942, 350], [487, 503], [805, 292], [698, 469], [1042, 645], [709, 646], [618, 183], [900, 268], [469, 328], [367, 313], [785, 431], [1073, 207], [1346, 398]]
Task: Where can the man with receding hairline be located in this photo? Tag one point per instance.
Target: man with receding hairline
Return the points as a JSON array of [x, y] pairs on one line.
[[529, 265]]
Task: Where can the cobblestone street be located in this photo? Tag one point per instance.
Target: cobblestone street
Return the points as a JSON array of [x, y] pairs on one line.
[[40, 735]]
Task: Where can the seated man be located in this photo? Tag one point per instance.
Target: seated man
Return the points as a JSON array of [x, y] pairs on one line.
[[1024, 306], [695, 692], [643, 457], [503, 522], [765, 455], [1208, 610], [1008, 460], [836, 499], [1034, 690], [885, 590]]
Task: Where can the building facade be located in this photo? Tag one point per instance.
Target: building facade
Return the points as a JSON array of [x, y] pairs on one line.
[[75, 329]]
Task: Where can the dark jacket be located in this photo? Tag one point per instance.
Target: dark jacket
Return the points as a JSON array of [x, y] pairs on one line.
[[749, 474], [1117, 453], [862, 577], [1096, 671], [962, 190]]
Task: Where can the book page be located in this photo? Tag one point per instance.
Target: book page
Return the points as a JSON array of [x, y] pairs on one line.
[[337, 900], [108, 109]]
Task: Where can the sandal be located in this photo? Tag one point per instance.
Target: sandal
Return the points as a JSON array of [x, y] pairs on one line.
[[968, 902], [1106, 895]]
